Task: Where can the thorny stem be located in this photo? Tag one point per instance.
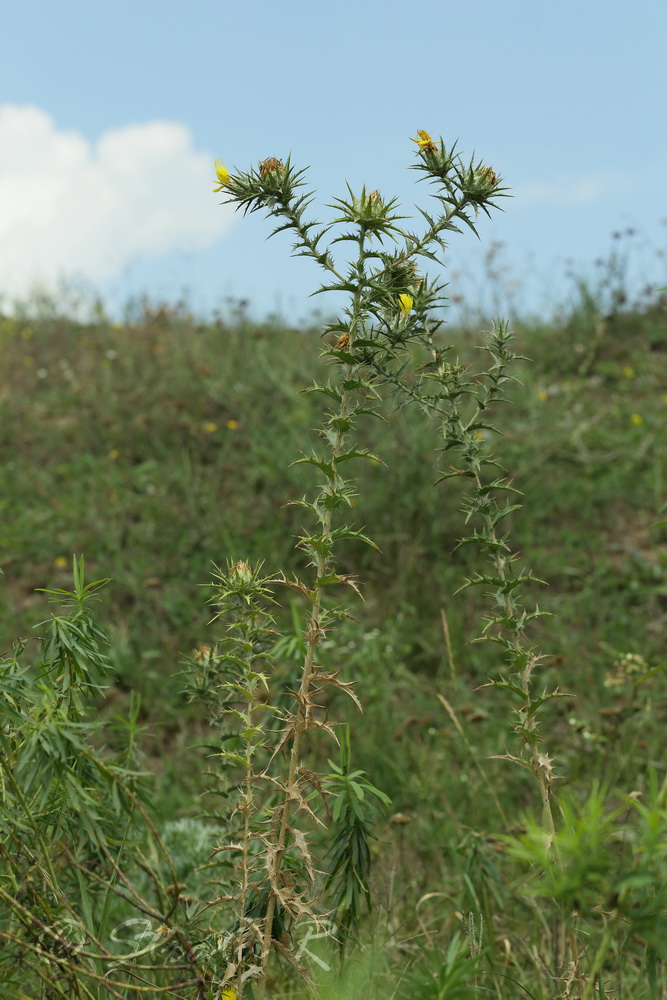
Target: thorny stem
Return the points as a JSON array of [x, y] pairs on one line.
[[247, 803], [525, 674], [464, 431], [313, 635], [414, 247], [302, 230]]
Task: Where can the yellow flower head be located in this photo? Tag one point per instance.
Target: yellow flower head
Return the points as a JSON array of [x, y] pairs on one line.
[[637, 419], [405, 303], [425, 142], [228, 994], [222, 173]]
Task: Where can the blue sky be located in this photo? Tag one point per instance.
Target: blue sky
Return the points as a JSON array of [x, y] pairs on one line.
[[111, 114]]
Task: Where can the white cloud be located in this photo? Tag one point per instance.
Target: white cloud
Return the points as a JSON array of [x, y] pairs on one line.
[[70, 207], [570, 190]]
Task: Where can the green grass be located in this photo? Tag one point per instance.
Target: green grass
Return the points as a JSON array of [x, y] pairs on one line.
[[158, 448], [161, 446]]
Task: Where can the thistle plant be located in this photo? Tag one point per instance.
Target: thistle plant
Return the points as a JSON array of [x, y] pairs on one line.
[[228, 679], [365, 253], [389, 341]]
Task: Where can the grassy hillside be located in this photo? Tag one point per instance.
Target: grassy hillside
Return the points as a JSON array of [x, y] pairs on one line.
[[163, 446]]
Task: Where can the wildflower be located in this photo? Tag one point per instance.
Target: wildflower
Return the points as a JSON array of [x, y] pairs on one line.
[[210, 427], [232, 425], [113, 454], [405, 303], [637, 419], [271, 165], [222, 174], [626, 668], [425, 142], [629, 372], [631, 663], [60, 562], [543, 396], [228, 994]]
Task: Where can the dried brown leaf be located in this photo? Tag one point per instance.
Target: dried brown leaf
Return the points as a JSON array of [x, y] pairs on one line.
[[304, 849], [321, 677], [296, 585]]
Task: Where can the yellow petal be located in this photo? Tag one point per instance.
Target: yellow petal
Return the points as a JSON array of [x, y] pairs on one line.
[[405, 303], [221, 172]]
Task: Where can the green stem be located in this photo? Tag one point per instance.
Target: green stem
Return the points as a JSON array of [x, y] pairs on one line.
[[313, 640], [247, 806]]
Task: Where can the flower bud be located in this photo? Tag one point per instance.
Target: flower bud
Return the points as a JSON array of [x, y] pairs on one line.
[[241, 572], [271, 165], [485, 180]]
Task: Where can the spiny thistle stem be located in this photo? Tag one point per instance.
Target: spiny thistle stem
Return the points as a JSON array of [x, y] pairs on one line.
[[313, 638], [510, 628], [243, 894]]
